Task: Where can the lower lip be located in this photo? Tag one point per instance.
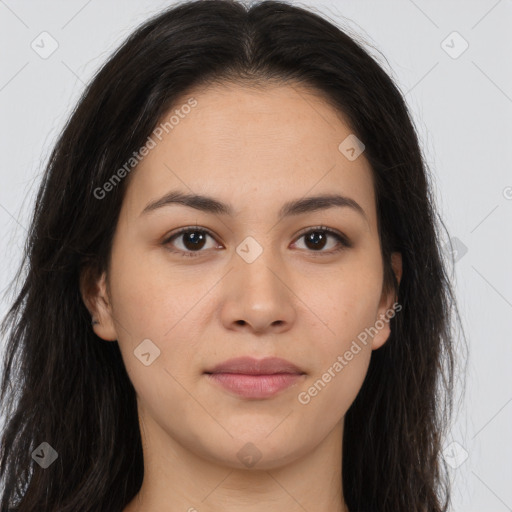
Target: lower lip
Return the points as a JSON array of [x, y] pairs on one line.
[[255, 386]]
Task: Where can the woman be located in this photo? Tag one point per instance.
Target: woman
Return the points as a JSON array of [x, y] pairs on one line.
[[234, 295]]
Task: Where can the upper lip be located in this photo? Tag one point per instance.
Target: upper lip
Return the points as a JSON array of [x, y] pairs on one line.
[[252, 366]]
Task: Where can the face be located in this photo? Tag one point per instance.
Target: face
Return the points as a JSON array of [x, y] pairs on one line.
[[248, 281]]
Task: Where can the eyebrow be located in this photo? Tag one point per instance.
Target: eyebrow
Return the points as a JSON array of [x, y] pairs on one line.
[[209, 204]]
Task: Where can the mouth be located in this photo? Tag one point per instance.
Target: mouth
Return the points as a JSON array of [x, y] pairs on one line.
[[252, 378]]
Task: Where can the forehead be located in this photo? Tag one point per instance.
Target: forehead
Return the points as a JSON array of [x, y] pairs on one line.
[[247, 145]]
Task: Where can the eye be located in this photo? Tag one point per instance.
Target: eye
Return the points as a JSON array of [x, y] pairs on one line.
[[193, 240], [315, 239]]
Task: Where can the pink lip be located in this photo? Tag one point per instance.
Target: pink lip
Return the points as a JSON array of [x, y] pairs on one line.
[[255, 378]]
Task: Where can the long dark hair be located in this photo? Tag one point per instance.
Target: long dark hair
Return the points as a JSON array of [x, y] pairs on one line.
[[63, 385]]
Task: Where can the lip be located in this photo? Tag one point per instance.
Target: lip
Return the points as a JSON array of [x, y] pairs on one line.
[[255, 378], [253, 366]]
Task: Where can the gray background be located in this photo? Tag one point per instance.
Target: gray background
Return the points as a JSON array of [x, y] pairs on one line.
[[462, 107]]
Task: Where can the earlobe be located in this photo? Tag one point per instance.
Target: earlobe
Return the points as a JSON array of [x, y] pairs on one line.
[[96, 299]]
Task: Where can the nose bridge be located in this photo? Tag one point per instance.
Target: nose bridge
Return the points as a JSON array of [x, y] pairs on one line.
[[257, 262], [258, 295]]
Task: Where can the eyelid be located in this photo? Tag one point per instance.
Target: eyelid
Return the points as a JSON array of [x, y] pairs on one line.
[[180, 231], [343, 240], [330, 231]]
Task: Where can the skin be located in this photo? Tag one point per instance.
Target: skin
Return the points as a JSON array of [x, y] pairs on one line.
[[254, 149]]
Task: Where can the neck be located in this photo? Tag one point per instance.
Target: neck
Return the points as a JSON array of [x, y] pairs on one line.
[[176, 479]]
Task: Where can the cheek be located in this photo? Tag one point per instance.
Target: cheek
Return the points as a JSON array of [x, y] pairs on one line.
[[349, 308], [342, 356], [149, 298], [148, 308], [152, 304], [347, 305], [331, 392]]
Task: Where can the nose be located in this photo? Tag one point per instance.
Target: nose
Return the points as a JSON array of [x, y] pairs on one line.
[[258, 296]]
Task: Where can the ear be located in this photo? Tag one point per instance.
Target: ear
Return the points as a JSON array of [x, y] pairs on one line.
[[387, 309], [94, 292]]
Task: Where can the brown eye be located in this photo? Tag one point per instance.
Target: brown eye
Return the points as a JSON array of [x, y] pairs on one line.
[[193, 241], [316, 240]]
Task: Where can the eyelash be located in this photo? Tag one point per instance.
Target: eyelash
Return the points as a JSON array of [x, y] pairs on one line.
[[343, 241]]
